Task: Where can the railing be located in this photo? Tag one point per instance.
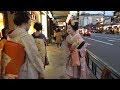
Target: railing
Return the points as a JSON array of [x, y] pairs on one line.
[[99, 68]]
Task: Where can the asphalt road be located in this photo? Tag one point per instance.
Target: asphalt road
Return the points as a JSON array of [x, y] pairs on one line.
[[105, 47]]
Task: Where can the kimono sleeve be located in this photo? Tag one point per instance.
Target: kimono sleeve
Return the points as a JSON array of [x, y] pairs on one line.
[[32, 53], [45, 40], [77, 41]]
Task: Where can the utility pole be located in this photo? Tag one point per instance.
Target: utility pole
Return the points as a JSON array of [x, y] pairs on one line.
[[103, 13], [103, 16]]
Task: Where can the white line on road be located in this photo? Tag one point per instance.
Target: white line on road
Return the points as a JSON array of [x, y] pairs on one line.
[[113, 36], [88, 44], [107, 37], [99, 41], [111, 40]]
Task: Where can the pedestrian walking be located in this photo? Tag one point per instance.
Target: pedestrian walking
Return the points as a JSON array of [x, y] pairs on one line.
[[41, 42], [58, 36]]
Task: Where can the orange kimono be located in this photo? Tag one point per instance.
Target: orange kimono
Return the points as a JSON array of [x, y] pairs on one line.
[[2, 43], [12, 59]]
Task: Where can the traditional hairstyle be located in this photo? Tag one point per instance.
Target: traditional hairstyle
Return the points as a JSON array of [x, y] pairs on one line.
[[21, 17], [73, 24], [4, 30], [38, 26]]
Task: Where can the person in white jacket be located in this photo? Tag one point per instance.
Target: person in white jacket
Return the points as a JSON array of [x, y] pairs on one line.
[[33, 67]]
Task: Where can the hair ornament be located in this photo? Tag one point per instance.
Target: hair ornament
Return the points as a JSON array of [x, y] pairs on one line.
[[73, 22]]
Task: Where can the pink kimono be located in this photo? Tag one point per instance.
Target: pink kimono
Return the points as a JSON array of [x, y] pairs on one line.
[[76, 66]]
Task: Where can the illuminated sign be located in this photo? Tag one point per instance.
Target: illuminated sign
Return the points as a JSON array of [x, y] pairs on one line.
[[61, 23], [32, 15], [1, 22]]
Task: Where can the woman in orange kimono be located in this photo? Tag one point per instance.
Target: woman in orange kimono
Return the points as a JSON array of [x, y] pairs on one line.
[[76, 65], [11, 57], [2, 43], [29, 66]]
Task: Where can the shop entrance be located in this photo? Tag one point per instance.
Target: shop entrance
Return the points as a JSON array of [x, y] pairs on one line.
[[1, 22]]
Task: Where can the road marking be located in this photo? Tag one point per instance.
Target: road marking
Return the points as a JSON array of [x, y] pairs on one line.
[[107, 37], [99, 41], [111, 40], [88, 44]]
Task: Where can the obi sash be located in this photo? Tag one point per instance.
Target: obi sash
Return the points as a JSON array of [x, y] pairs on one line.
[[81, 45], [13, 55], [2, 43], [74, 57]]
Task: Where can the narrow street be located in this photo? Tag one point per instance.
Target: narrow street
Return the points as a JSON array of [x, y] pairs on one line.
[[57, 59]]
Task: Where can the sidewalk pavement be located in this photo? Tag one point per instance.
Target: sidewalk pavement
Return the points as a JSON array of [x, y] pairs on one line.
[[57, 58]]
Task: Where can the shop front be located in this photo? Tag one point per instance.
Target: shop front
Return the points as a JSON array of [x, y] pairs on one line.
[[10, 16], [35, 17], [1, 21], [44, 24]]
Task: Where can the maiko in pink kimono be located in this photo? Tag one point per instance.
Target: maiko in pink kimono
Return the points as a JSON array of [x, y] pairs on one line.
[[76, 66]]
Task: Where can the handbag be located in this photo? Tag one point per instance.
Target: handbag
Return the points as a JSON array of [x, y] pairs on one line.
[[46, 60]]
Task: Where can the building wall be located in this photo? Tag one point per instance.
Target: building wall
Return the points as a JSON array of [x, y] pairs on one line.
[[48, 29], [81, 21], [10, 20], [2, 24], [6, 20], [36, 19], [44, 24], [115, 17], [95, 17], [84, 20], [90, 19], [87, 19], [31, 30], [11, 23], [108, 21], [40, 16]]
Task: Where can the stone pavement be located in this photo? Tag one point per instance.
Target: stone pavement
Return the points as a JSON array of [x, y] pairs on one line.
[[57, 58]]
